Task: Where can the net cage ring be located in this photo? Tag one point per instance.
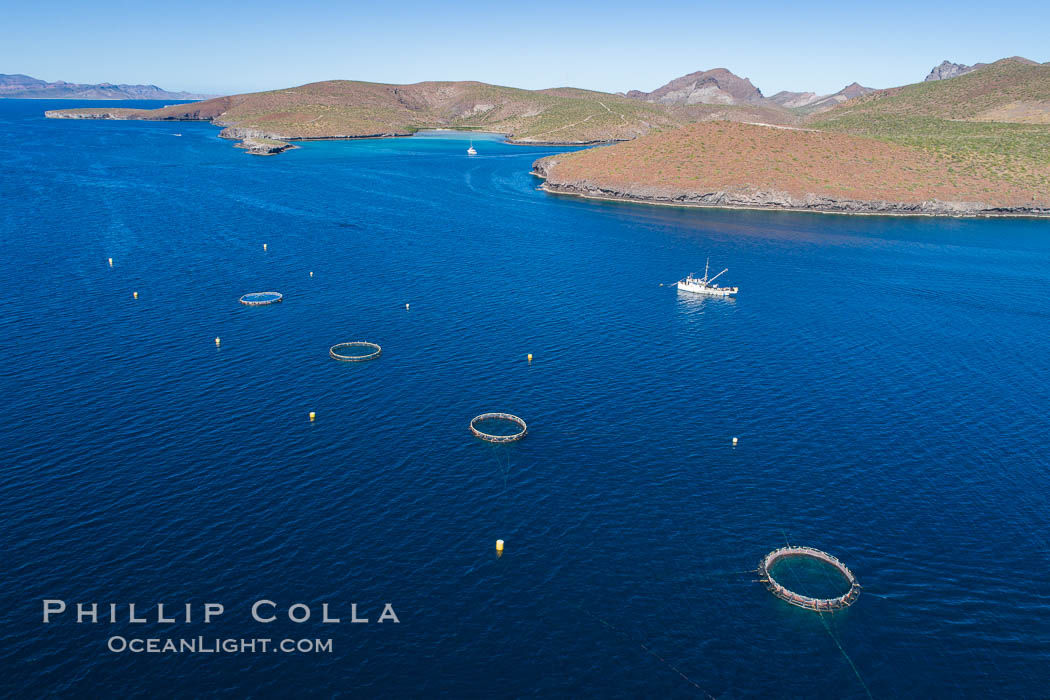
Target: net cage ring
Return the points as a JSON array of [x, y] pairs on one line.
[[803, 601], [498, 438], [335, 354], [261, 298]]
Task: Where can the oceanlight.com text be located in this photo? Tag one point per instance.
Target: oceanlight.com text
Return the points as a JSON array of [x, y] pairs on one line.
[[214, 645]]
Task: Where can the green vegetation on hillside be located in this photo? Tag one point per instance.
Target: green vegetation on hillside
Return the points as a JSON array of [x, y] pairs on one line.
[[982, 95], [953, 120], [745, 158], [1017, 153]]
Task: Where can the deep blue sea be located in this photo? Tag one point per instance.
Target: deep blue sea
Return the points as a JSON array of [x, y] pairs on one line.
[[888, 379]]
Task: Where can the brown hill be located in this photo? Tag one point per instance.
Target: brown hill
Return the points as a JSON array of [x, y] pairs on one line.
[[727, 164], [354, 109]]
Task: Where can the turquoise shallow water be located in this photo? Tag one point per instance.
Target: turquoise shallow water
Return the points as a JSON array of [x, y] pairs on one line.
[[887, 379]]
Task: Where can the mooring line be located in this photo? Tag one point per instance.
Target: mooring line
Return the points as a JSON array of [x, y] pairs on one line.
[[504, 469], [846, 656], [852, 665], [647, 649]]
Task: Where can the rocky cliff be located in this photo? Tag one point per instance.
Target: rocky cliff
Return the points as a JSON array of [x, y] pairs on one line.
[[263, 147], [947, 69]]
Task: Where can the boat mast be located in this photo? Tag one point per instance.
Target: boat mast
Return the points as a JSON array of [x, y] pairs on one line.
[[705, 269]]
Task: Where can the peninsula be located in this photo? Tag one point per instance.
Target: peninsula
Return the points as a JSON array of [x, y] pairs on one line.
[[346, 109]]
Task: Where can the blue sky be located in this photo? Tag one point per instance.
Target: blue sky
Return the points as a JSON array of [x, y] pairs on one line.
[[236, 46]]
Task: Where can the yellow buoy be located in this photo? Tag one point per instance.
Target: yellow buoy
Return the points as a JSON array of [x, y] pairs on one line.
[[264, 246], [530, 357], [135, 294], [111, 262], [217, 341], [312, 416], [499, 545], [734, 441]]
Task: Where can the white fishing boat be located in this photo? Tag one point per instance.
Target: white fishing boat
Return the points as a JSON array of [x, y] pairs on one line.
[[706, 285], [471, 151]]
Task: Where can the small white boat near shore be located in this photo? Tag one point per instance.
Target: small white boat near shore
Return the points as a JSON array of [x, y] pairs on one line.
[[705, 285], [471, 151]]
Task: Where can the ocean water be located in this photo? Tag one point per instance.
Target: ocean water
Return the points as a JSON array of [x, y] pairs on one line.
[[887, 379]]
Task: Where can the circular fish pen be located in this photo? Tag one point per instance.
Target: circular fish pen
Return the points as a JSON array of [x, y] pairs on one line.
[[261, 298], [804, 601], [518, 423], [355, 351]]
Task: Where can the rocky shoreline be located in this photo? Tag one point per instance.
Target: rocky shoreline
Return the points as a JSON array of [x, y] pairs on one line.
[[237, 132], [256, 143], [753, 198], [264, 147], [112, 113], [253, 141], [526, 142]]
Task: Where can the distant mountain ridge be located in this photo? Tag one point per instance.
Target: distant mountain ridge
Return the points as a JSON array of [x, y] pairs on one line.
[[24, 87], [810, 102], [720, 86]]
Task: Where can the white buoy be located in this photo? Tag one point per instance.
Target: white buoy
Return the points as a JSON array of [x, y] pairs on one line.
[[734, 442], [311, 273], [135, 294], [217, 341], [406, 307], [264, 246], [111, 262]]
